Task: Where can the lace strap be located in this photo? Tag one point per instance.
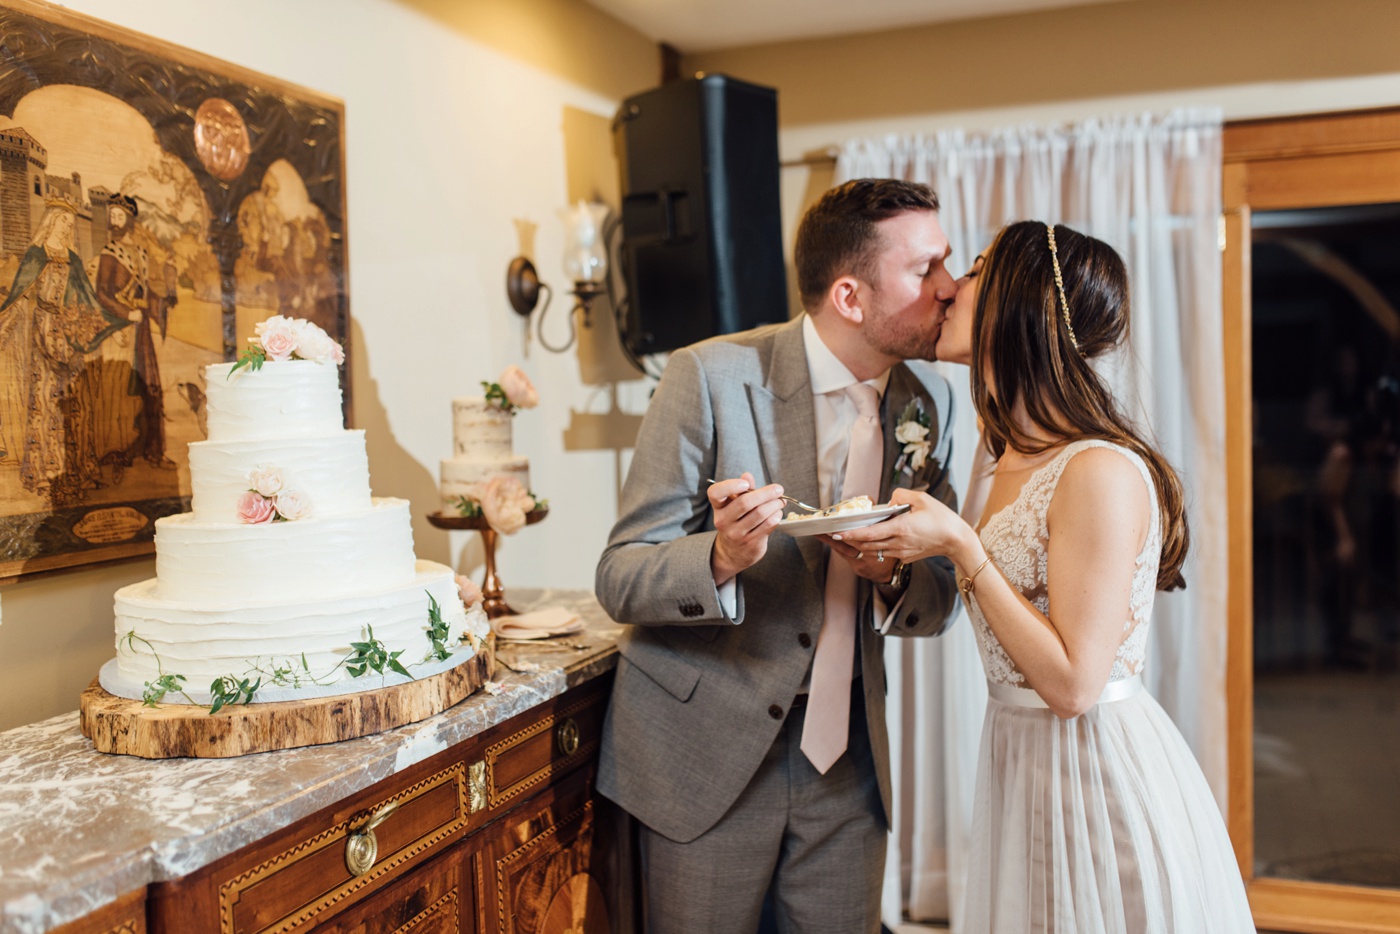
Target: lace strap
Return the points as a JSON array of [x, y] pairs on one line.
[[1049, 478]]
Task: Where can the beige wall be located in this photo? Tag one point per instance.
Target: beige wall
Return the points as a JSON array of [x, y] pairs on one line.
[[465, 122], [1133, 47]]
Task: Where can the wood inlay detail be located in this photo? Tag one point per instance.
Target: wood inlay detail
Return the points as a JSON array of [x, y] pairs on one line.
[[230, 891], [432, 911], [493, 753], [583, 815]]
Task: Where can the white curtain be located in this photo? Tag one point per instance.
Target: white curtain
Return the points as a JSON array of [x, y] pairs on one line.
[[1149, 185]]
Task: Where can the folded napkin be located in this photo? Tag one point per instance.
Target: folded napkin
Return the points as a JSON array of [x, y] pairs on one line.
[[538, 624]]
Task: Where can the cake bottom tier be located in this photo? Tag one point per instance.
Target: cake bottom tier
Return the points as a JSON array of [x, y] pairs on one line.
[[302, 647], [461, 475]]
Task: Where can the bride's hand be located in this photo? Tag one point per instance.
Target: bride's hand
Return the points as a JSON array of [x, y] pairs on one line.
[[928, 528]]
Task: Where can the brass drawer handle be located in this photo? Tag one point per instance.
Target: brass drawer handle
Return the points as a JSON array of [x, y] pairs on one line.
[[361, 847], [566, 736]]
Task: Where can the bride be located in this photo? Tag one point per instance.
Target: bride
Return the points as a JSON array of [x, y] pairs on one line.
[[1091, 814]]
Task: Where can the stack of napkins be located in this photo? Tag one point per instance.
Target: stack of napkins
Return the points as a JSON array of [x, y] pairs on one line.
[[538, 624]]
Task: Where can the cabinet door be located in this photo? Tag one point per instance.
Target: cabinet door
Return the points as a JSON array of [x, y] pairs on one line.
[[435, 899], [537, 866]]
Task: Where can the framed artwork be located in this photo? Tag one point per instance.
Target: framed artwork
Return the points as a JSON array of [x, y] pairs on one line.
[[155, 205]]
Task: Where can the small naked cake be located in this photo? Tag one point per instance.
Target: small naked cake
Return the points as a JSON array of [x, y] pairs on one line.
[[286, 580], [484, 476]]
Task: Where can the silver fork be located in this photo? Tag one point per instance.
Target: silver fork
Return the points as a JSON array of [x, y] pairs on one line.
[[796, 502]]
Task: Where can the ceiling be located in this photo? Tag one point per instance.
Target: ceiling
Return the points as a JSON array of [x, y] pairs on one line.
[[703, 25]]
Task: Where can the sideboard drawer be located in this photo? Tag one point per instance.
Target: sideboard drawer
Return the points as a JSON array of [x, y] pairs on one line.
[[315, 874], [562, 737]]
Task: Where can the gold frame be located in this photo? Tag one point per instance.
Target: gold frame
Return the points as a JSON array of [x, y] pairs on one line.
[[1296, 162]]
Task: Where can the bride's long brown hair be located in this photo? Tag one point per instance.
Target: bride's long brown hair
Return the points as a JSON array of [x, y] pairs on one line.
[[1021, 333]]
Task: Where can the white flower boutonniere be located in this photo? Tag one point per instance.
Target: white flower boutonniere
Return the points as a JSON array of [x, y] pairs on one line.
[[912, 432]]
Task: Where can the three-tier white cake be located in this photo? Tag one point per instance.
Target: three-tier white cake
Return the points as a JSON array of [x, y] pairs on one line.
[[242, 592]]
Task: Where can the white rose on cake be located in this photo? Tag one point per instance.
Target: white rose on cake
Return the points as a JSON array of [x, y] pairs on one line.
[[280, 339], [293, 505], [265, 480]]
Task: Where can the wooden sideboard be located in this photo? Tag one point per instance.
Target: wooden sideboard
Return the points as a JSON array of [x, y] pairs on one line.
[[502, 833]]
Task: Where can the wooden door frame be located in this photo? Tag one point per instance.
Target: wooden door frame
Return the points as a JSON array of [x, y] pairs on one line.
[[1295, 162]]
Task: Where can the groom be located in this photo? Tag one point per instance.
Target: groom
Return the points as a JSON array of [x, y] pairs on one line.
[[746, 731]]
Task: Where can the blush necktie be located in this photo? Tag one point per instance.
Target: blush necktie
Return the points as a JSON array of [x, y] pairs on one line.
[[828, 718]]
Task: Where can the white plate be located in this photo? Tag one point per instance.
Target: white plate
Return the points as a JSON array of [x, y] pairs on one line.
[[797, 528]]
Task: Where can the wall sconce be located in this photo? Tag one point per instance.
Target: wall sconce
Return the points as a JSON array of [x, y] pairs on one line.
[[585, 263]]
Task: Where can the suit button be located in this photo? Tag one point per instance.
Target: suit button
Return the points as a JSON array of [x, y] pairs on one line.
[[775, 712], [804, 640], [912, 619]]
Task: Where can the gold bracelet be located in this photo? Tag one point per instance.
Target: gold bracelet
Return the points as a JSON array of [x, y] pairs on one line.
[[966, 584]]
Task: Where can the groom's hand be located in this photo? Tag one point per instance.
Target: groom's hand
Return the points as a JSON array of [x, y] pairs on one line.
[[744, 518]]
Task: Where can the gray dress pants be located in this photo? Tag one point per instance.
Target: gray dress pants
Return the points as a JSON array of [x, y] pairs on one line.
[[817, 840]]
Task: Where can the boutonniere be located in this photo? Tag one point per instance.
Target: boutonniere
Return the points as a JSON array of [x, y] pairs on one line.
[[912, 432]]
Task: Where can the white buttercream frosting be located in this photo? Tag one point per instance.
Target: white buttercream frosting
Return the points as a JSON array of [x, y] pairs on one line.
[[218, 562], [283, 399], [205, 639], [333, 471]]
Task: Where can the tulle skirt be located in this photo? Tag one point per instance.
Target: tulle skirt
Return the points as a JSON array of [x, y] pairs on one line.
[[1103, 824]]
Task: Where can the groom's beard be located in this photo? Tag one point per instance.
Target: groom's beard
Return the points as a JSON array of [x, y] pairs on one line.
[[902, 337]]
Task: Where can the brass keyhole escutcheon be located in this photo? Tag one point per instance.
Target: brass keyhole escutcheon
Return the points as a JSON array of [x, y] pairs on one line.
[[567, 736], [361, 846]]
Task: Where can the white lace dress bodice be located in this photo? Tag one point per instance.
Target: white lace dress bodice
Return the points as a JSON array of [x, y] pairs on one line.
[[1017, 538]]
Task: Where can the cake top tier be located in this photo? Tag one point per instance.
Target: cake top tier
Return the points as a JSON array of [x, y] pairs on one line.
[[281, 399]]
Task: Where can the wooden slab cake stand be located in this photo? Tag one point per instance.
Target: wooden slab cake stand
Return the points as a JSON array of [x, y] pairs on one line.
[[121, 725], [493, 598]]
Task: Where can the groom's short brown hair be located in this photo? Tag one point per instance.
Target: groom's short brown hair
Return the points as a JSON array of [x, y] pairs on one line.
[[838, 235]]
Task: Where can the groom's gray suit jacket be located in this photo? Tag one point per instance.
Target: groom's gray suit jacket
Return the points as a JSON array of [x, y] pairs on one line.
[[699, 697]]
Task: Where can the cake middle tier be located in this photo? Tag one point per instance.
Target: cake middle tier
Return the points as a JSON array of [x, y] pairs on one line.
[[332, 471], [336, 557]]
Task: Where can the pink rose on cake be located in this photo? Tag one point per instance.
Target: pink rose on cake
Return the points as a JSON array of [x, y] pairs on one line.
[[279, 338], [276, 337], [468, 590], [254, 508], [293, 505], [504, 502], [512, 390], [520, 392]]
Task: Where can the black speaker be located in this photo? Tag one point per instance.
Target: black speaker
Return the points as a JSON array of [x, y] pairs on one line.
[[702, 248]]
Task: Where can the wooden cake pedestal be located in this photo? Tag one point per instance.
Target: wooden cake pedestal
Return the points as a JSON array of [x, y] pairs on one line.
[[493, 598], [121, 725]]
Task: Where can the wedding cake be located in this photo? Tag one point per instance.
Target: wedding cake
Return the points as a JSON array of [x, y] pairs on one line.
[[286, 576], [483, 447]]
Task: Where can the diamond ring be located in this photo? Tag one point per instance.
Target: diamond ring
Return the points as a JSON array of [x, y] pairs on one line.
[[879, 556]]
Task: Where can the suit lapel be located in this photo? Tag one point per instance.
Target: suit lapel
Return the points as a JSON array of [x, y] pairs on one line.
[[785, 422]]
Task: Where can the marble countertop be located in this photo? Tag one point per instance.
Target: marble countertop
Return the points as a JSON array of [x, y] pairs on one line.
[[79, 828]]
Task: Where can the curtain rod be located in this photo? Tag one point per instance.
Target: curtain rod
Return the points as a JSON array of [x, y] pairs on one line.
[[825, 157]]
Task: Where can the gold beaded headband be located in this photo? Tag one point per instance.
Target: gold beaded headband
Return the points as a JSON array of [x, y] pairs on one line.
[[1060, 284]]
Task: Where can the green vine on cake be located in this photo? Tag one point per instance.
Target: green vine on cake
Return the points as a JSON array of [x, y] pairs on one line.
[[373, 654], [226, 690], [370, 655], [438, 631]]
